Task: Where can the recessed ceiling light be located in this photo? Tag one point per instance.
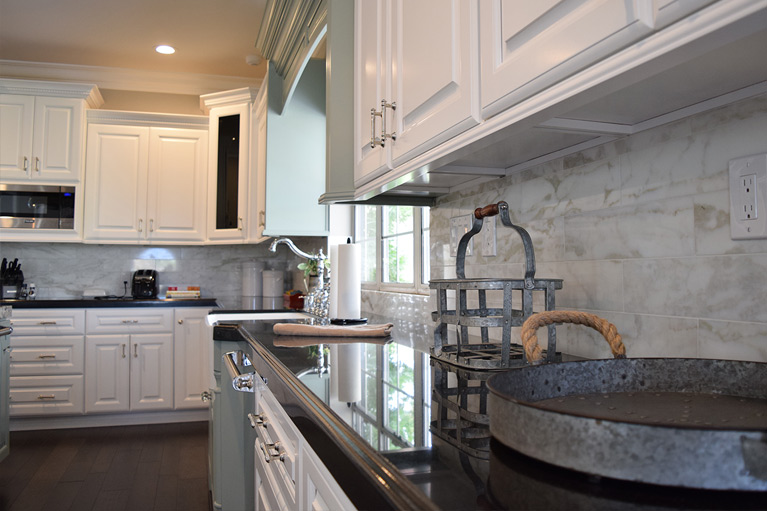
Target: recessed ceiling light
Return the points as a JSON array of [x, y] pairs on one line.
[[165, 49]]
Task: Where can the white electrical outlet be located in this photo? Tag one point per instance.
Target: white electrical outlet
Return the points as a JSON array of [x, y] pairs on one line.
[[748, 197], [460, 225], [489, 248]]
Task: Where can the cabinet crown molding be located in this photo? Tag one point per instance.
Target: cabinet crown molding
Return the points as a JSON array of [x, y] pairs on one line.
[[226, 98], [88, 92], [147, 119]]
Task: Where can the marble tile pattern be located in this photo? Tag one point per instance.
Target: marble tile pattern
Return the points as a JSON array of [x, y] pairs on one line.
[[638, 229], [64, 270]]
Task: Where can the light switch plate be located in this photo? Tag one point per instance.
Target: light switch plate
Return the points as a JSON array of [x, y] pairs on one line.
[[460, 225], [748, 197]]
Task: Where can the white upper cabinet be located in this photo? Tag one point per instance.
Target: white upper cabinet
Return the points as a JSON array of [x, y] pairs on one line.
[[414, 88], [229, 164], [42, 130], [145, 184]]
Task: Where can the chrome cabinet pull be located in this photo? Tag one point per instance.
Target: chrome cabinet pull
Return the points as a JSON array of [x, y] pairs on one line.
[[140, 225], [26, 164], [381, 141], [44, 396], [272, 451], [47, 323], [241, 224], [151, 225], [256, 420], [262, 218], [130, 321], [123, 350], [37, 164], [46, 356], [180, 321], [135, 351]]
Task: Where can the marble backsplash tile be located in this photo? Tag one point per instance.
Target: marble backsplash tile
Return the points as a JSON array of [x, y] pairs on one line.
[[64, 270], [638, 229]]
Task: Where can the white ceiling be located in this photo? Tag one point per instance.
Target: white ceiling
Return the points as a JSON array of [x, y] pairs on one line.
[[211, 37]]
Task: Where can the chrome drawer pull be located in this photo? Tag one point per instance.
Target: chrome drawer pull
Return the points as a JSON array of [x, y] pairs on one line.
[[43, 396], [256, 420], [46, 356], [47, 323], [130, 321], [269, 456], [206, 396]]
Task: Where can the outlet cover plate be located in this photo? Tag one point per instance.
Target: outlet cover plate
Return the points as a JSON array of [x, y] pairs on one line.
[[460, 225], [748, 197]]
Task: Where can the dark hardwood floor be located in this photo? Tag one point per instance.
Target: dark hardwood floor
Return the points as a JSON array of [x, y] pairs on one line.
[[126, 468]]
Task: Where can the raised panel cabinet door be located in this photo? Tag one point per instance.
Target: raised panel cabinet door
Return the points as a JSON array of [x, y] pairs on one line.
[[528, 46], [16, 120], [192, 358], [434, 73], [177, 184], [107, 373], [58, 139], [372, 61], [318, 490], [151, 372], [116, 172]]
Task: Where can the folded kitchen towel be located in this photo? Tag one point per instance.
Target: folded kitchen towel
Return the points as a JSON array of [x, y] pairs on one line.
[[334, 330]]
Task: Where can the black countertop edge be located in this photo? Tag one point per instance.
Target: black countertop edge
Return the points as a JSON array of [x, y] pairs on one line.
[[395, 488], [85, 303]]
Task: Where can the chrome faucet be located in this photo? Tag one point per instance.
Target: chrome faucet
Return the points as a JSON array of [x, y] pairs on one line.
[[316, 302]]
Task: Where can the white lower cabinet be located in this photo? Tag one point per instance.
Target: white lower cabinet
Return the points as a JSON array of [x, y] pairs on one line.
[[288, 473], [192, 358], [47, 362], [128, 360]]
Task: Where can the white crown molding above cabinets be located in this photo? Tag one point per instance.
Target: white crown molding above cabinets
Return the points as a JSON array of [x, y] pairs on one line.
[[147, 119], [228, 98], [86, 91], [116, 78]]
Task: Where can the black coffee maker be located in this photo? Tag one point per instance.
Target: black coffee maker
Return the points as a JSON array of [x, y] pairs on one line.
[[145, 284]]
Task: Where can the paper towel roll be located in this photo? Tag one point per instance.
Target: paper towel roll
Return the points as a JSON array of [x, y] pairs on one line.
[[349, 369], [349, 281], [333, 297], [252, 283], [273, 286]]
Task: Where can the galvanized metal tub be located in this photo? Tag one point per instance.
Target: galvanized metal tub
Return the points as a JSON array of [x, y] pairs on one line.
[[675, 422]]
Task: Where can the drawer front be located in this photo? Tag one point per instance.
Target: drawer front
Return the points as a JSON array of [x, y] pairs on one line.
[[40, 355], [46, 395], [123, 321], [277, 447], [48, 322]]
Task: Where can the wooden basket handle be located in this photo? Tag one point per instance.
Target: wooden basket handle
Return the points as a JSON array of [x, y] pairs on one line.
[[530, 341]]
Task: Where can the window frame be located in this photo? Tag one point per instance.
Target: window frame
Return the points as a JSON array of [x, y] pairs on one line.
[[417, 286]]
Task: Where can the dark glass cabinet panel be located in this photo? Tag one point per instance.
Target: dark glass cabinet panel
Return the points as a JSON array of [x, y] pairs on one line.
[[228, 172]]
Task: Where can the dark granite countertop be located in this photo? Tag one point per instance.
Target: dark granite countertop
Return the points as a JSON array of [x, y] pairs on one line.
[[477, 473], [88, 303]]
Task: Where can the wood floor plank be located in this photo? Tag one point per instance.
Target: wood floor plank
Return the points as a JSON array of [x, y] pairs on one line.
[[126, 468]]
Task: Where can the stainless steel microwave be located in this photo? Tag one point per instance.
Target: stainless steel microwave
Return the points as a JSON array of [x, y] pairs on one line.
[[37, 207]]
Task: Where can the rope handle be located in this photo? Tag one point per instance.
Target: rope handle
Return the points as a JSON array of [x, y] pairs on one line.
[[531, 325]]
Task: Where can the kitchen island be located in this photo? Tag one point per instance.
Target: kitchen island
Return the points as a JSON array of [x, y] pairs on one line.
[[395, 447]]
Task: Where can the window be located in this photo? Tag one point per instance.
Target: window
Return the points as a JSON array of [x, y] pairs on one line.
[[395, 247]]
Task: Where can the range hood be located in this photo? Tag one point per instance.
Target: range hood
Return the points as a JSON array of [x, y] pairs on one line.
[[720, 68]]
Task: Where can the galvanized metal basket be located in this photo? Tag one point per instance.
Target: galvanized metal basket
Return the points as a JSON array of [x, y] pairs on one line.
[[476, 322]]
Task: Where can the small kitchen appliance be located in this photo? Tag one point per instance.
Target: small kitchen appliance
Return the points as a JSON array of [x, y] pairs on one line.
[[145, 284], [11, 280]]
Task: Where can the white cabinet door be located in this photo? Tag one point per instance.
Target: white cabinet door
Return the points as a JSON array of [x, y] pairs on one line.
[[107, 373], [228, 168], [528, 46], [177, 184], [257, 202], [16, 120], [192, 358], [57, 144], [41, 138], [151, 372], [432, 73], [116, 172], [372, 61]]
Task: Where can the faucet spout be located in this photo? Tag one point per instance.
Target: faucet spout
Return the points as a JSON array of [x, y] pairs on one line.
[[294, 249]]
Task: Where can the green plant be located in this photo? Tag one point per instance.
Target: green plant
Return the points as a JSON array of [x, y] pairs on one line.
[[311, 267]]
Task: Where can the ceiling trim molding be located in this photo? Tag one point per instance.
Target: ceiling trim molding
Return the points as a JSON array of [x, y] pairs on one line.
[[147, 119], [126, 79]]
